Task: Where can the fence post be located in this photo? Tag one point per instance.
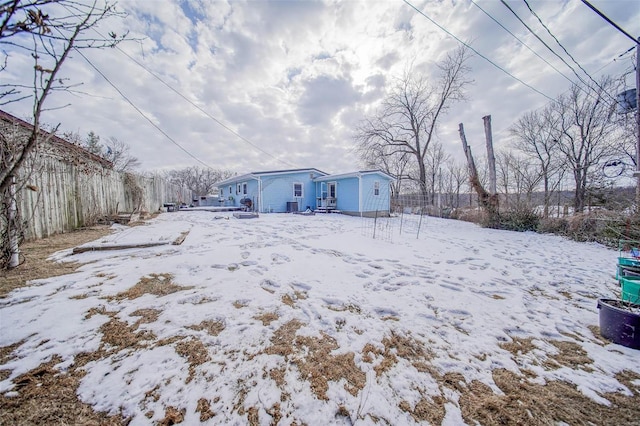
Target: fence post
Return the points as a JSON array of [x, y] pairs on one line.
[[375, 224], [12, 226]]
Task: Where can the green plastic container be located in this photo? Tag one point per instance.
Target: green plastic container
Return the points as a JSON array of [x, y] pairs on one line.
[[630, 290], [629, 261]]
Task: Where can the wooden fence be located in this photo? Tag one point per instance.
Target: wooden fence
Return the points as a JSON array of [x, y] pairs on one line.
[[63, 196]]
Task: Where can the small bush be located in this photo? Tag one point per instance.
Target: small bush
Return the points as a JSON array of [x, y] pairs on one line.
[[473, 215], [553, 225], [519, 220]]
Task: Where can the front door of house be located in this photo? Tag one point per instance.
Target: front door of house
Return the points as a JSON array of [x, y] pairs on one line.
[[331, 198], [331, 189]]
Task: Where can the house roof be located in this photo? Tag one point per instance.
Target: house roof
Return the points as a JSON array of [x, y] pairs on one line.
[[353, 174], [255, 175], [6, 117]]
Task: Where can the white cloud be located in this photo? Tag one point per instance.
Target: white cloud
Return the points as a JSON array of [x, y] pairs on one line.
[[294, 78]]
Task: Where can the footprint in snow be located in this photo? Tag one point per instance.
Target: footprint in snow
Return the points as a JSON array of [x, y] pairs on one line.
[[279, 258]]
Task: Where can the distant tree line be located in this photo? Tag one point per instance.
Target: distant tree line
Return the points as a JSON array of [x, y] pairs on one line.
[[567, 145]]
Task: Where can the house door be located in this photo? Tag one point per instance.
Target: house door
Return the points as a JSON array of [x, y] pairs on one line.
[[332, 201], [331, 189]]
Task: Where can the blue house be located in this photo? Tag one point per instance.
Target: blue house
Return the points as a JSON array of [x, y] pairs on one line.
[[363, 193]]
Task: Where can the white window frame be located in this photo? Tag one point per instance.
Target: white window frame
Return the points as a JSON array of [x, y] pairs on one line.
[[376, 187], [230, 190], [238, 188], [301, 190], [244, 188]]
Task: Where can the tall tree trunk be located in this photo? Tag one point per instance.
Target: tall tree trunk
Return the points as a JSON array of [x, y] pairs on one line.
[[488, 201]]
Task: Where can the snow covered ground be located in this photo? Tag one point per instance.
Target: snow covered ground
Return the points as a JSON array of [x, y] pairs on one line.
[[309, 319]]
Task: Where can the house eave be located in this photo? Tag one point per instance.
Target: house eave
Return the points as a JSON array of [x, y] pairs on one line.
[[353, 175]]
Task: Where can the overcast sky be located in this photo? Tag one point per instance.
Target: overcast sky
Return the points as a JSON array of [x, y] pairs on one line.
[[293, 79]]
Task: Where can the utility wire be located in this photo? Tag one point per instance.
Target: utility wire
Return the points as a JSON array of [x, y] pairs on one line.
[[478, 53], [521, 42], [542, 41], [603, 16], [565, 50], [140, 112], [204, 111], [183, 97], [200, 108]]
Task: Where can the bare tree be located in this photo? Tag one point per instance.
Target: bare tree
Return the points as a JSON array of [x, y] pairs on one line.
[[409, 117], [392, 164], [434, 159], [586, 125], [537, 135], [200, 181], [45, 32], [455, 176], [118, 153]]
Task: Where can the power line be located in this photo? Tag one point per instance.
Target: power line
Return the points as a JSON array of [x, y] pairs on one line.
[[565, 50], [522, 42], [183, 97], [202, 110], [542, 41], [478, 53], [140, 112], [603, 16]]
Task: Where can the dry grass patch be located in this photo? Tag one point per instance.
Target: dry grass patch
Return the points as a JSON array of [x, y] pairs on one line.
[[204, 408], [595, 330], [35, 253], [239, 304], [46, 396], [118, 335], [518, 346], [282, 339], [288, 300], [431, 411], [6, 352], [156, 284], [398, 346], [570, 354], [195, 352], [320, 366], [313, 358], [212, 327], [147, 315], [554, 402], [267, 318], [172, 416]]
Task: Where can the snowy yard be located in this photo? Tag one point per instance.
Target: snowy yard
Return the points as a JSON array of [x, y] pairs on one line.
[[287, 319]]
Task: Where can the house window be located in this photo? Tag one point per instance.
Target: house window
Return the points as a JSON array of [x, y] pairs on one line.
[[297, 190], [238, 189], [229, 189], [376, 188], [244, 188]]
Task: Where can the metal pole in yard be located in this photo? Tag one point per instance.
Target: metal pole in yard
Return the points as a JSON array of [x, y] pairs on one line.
[[375, 224]]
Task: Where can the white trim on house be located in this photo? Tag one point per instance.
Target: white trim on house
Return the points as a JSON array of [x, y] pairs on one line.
[[353, 174]]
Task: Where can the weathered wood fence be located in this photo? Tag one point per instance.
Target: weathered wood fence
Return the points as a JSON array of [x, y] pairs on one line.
[[62, 187], [63, 196]]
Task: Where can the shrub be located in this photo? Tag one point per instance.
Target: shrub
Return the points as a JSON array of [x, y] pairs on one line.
[[521, 220], [553, 225]]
